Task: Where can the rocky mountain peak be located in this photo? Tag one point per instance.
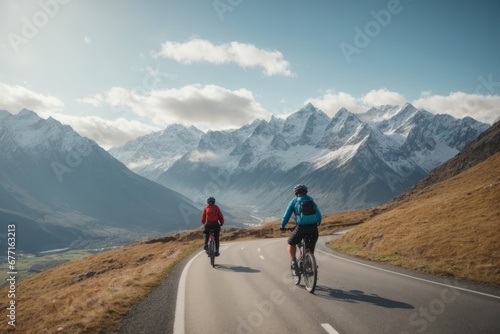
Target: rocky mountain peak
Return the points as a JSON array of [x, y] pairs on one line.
[[26, 113], [369, 157], [49, 170]]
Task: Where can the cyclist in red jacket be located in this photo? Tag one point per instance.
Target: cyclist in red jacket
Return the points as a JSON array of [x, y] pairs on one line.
[[213, 219]]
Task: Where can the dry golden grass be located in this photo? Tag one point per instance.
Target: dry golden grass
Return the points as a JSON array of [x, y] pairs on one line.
[[450, 228], [91, 295], [330, 223]]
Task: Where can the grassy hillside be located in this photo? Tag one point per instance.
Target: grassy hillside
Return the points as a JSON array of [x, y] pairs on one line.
[[93, 293], [449, 228]]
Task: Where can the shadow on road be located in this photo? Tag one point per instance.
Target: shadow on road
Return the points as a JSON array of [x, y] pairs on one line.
[[356, 296], [237, 269]]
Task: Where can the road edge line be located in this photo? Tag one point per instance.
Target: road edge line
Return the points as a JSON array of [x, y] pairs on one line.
[[180, 304], [409, 276]]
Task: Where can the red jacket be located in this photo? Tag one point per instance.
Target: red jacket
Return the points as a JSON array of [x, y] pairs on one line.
[[212, 213]]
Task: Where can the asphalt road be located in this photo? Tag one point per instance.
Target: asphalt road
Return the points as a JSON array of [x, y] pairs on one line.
[[250, 291]]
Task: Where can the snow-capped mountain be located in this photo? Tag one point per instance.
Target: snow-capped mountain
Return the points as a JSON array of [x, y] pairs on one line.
[[348, 161], [426, 138], [151, 154], [70, 189]]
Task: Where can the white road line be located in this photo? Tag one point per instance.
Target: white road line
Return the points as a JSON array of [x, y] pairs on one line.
[[409, 276], [261, 220], [180, 304], [258, 250], [329, 329], [261, 257]]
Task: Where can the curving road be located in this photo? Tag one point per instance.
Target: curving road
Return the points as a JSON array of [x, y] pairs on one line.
[[250, 291]]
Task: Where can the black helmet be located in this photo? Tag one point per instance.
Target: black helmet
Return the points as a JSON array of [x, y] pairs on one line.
[[300, 189], [210, 200]]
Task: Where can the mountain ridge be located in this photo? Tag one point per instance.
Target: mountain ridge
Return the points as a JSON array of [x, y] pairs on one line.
[[75, 190], [263, 160]]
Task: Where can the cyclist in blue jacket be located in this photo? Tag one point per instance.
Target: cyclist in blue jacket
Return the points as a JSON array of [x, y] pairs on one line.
[[307, 221]]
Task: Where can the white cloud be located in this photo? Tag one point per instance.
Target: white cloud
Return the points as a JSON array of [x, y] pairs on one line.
[[197, 156], [107, 133], [206, 107], [15, 98], [332, 101], [383, 97], [242, 54], [95, 100], [485, 108]]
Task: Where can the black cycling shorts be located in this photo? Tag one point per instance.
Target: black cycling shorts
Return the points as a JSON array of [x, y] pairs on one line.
[[300, 232], [211, 226]]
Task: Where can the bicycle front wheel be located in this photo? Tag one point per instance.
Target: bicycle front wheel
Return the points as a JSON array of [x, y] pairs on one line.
[[310, 272]]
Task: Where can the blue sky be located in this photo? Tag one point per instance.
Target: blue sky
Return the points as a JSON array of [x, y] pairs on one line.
[[115, 70]]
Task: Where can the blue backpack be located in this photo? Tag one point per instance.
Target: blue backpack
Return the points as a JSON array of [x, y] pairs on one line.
[[305, 210]]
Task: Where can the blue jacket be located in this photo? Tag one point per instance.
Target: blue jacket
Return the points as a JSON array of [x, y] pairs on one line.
[[293, 209]]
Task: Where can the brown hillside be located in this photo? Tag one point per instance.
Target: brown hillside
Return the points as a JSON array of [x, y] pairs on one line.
[[449, 228], [92, 294]]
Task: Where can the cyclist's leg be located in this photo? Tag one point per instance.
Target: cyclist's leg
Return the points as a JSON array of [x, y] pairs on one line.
[[313, 244], [295, 236], [216, 237], [292, 251], [293, 240], [205, 237], [311, 230]]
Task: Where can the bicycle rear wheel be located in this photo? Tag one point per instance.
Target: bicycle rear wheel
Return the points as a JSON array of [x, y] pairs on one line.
[[296, 278], [211, 252], [310, 272]]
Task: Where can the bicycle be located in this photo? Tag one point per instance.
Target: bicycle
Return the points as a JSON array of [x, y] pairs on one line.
[[211, 247], [306, 263]]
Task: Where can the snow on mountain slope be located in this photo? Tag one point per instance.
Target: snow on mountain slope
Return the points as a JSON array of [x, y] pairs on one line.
[[305, 127], [33, 133], [373, 156], [427, 139], [153, 153], [345, 128]]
